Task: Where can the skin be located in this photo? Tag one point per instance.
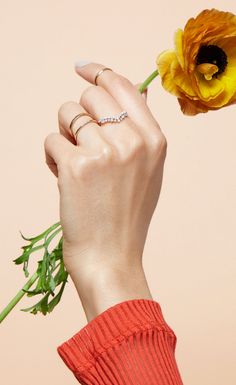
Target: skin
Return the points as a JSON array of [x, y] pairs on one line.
[[109, 181]]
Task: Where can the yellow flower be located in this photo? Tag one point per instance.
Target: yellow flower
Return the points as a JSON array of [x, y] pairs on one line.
[[201, 71]]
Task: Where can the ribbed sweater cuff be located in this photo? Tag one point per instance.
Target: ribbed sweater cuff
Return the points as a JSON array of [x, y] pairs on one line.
[[111, 327]]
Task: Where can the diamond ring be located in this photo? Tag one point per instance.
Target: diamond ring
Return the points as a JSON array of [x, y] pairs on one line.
[[114, 118]]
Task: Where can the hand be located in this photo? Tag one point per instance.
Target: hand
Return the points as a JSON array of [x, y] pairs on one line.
[[110, 179]]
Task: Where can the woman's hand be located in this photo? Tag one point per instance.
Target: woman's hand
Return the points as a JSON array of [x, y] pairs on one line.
[[110, 180]]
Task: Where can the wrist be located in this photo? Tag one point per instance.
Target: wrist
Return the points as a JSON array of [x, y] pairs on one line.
[[103, 286]]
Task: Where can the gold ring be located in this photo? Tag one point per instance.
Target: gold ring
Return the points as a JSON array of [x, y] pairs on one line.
[[100, 72], [84, 124], [77, 117]]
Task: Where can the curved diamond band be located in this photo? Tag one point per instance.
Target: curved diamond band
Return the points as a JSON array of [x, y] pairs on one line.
[[114, 118]]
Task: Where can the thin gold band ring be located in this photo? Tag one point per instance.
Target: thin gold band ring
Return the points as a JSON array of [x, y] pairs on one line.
[[77, 117], [89, 121], [100, 72]]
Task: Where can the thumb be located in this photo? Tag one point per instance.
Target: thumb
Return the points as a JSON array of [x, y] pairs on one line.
[[144, 94]]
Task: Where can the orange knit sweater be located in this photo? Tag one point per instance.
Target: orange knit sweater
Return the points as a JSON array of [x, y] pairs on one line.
[[129, 343]]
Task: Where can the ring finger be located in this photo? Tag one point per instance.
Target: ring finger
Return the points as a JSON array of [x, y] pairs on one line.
[[87, 136]]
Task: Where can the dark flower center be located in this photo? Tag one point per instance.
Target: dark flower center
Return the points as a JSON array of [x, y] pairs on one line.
[[214, 55]]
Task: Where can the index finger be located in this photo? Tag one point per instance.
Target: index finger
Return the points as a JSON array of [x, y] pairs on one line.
[[122, 90]]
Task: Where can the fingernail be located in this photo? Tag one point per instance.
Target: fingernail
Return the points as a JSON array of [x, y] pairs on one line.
[[81, 63]]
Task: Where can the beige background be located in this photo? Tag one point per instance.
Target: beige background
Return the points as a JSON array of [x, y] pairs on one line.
[[190, 252]]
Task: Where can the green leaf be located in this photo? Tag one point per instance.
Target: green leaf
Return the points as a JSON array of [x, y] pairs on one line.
[[43, 272], [52, 284], [56, 299], [50, 275], [25, 268], [52, 260], [24, 257], [50, 272], [26, 239], [43, 234], [27, 251], [61, 275], [41, 306], [32, 293], [44, 304]]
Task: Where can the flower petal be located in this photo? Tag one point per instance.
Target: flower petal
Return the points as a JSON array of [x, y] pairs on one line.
[[164, 61], [191, 107], [229, 47], [208, 27], [179, 46], [182, 80], [228, 80], [208, 89]]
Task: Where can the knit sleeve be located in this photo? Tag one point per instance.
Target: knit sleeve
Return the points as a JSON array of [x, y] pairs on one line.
[[129, 343]]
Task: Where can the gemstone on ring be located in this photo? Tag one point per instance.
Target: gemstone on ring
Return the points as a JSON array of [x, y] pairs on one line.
[[114, 118]]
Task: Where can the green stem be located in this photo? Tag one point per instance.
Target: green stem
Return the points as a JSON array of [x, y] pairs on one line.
[[18, 297], [146, 82]]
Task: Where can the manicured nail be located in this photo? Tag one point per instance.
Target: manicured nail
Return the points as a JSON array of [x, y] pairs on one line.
[[81, 63]]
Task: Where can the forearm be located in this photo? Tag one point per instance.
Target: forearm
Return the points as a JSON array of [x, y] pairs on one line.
[[104, 286]]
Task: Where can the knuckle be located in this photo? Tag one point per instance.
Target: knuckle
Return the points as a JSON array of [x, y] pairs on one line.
[[106, 155], [159, 144], [82, 167]]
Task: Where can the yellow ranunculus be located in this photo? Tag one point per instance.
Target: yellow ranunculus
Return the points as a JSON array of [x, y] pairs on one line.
[[201, 71]]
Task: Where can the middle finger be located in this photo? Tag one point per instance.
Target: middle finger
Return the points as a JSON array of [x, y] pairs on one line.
[[125, 93], [100, 103]]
